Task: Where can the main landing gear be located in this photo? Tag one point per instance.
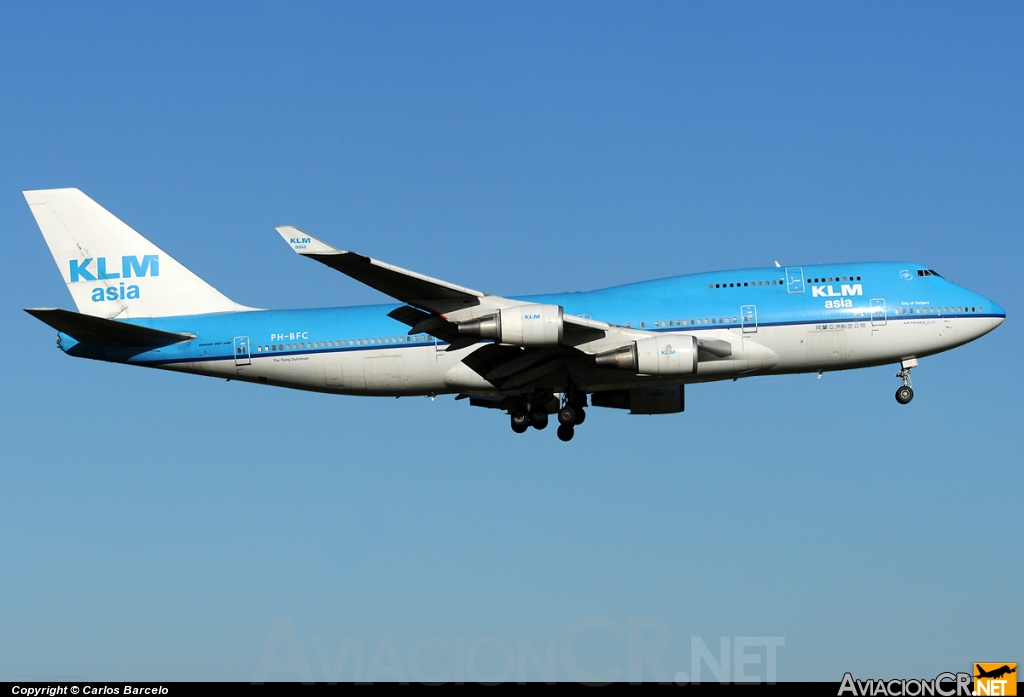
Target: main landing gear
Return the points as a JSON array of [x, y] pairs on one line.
[[906, 392], [570, 415]]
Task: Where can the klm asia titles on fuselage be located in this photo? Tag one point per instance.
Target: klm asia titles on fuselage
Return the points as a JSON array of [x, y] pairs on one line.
[[632, 347]]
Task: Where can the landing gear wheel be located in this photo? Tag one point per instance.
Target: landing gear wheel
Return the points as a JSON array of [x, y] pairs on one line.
[[904, 395], [581, 416], [539, 419], [520, 421], [567, 416], [565, 433]]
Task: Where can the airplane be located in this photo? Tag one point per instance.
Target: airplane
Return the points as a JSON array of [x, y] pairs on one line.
[[632, 347], [996, 672]]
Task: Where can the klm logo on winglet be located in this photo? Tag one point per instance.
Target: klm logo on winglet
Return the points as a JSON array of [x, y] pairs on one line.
[[830, 292], [148, 265], [299, 240]]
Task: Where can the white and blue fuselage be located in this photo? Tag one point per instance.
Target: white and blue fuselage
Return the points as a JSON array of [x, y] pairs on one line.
[[791, 320], [633, 347]]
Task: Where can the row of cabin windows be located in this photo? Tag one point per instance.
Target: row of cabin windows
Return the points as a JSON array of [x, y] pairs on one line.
[[347, 342], [688, 322], [935, 310], [781, 282], [744, 285]]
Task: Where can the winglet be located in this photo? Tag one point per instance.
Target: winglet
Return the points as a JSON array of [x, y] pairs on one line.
[[303, 242]]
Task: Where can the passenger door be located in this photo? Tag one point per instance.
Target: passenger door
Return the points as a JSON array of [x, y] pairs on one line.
[[795, 280], [878, 318], [242, 351], [748, 318]]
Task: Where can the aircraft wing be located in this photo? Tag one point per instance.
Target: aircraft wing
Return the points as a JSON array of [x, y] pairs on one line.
[[409, 287], [431, 304], [435, 307]]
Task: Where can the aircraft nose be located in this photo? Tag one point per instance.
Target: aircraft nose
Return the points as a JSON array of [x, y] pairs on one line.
[[998, 314]]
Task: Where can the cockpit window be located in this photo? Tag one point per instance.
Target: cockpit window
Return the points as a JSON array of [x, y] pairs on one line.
[[927, 272]]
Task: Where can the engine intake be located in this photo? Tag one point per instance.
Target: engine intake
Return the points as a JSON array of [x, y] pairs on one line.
[[521, 325]]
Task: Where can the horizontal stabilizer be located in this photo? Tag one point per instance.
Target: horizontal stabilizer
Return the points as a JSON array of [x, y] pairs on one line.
[[88, 329]]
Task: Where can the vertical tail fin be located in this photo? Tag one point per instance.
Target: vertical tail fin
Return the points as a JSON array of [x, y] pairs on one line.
[[113, 271]]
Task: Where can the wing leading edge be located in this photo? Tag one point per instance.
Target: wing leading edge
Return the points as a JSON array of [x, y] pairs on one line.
[[409, 287]]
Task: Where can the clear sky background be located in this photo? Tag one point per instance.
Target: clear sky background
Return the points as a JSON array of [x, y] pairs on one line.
[[162, 526]]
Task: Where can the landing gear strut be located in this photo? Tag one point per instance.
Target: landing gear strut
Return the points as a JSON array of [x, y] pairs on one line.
[[905, 393]]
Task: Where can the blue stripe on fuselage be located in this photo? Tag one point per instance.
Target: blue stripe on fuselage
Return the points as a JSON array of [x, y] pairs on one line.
[[681, 298]]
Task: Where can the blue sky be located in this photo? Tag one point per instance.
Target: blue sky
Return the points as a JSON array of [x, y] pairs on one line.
[[158, 526]]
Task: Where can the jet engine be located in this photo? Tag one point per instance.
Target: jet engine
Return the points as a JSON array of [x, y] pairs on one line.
[[669, 354], [521, 325]]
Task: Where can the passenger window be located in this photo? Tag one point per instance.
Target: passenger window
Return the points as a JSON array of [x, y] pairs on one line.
[[655, 324], [642, 325]]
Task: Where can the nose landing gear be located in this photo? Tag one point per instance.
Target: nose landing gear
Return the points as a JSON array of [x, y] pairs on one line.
[[906, 393]]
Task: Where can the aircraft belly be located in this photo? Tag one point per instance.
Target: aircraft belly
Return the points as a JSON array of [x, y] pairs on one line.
[[410, 371]]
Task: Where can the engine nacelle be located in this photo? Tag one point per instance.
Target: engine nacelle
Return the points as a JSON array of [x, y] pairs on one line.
[[669, 354], [521, 325]]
